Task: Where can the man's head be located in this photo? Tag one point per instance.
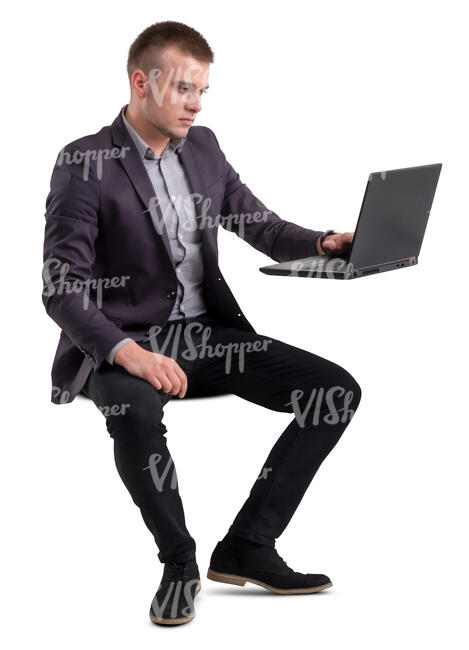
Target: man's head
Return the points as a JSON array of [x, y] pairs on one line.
[[168, 67]]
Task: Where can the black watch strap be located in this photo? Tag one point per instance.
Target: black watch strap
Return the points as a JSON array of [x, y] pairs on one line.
[[324, 235]]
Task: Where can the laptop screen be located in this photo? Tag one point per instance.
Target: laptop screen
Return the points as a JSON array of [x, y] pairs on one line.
[[394, 215]]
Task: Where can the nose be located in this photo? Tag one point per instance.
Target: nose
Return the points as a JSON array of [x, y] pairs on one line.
[[194, 103]]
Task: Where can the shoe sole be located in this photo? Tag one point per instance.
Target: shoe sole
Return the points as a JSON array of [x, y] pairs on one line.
[[241, 581], [175, 621]]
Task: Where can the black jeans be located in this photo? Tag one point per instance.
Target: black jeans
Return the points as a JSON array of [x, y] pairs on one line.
[[223, 360]]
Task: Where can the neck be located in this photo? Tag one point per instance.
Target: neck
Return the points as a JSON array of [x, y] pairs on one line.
[[151, 134]]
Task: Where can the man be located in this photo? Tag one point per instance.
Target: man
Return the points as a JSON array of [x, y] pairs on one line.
[[131, 273]]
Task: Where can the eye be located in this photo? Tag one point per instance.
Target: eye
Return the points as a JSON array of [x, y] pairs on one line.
[[186, 88]]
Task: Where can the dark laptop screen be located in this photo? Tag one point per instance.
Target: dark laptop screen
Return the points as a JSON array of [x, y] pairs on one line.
[[394, 215]]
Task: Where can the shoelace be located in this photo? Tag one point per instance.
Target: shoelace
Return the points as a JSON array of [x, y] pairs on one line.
[[290, 570], [175, 571]]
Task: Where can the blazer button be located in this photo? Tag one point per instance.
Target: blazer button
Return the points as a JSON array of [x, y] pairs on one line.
[[171, 293]]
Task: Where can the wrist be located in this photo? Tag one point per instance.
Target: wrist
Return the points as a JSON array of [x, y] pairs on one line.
[[320, 241], [125, 353]]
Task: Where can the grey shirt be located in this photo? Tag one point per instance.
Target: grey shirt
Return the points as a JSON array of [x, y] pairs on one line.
[[173, 193]]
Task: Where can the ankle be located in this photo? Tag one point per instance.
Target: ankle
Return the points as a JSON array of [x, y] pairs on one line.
[[237, 541], [189, 561]]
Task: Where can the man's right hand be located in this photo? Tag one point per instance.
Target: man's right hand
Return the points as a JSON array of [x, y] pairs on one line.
[[163, 373]]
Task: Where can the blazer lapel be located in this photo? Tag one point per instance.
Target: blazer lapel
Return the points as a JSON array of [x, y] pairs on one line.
[[137, 173], [142, 184], [196, 181]]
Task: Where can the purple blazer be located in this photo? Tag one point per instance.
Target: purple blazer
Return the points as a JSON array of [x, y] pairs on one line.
[[108, 272]]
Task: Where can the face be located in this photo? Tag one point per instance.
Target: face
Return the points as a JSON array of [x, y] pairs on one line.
[[173, 93]]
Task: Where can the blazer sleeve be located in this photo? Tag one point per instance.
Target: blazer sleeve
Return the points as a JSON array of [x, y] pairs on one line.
[[71, 228], [281, 240]]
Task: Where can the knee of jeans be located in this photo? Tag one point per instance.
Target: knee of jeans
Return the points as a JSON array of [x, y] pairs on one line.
[[348, 386], [338, 392], [141, 417]]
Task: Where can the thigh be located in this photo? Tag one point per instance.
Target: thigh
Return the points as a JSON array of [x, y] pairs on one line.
[[265, 371]]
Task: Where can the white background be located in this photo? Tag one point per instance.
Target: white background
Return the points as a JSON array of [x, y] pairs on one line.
[[306, 100]]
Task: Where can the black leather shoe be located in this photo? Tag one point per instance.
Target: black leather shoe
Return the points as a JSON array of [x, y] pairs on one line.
[[173, 603], [236, 561]]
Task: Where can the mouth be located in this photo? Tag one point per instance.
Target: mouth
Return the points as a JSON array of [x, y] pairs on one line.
[[186, 120]]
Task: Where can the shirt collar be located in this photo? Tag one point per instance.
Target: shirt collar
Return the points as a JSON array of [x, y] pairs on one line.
[[175, 144]]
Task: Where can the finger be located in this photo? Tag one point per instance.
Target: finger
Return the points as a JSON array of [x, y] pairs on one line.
[[151, 379], [175, 381], [166, 385], [183, 378]]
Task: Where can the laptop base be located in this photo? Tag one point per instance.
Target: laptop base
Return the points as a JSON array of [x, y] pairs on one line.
[[332, 268]]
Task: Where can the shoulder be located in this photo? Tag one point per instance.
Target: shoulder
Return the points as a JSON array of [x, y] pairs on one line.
[[202, 135], [92, 143]]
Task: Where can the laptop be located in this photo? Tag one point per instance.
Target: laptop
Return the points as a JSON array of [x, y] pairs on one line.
[[389, 231]]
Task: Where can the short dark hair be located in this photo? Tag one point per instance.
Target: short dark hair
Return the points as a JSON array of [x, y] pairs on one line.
[[149, 45]]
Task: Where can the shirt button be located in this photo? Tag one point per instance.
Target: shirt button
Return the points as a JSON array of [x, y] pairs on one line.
[[171, 293]]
